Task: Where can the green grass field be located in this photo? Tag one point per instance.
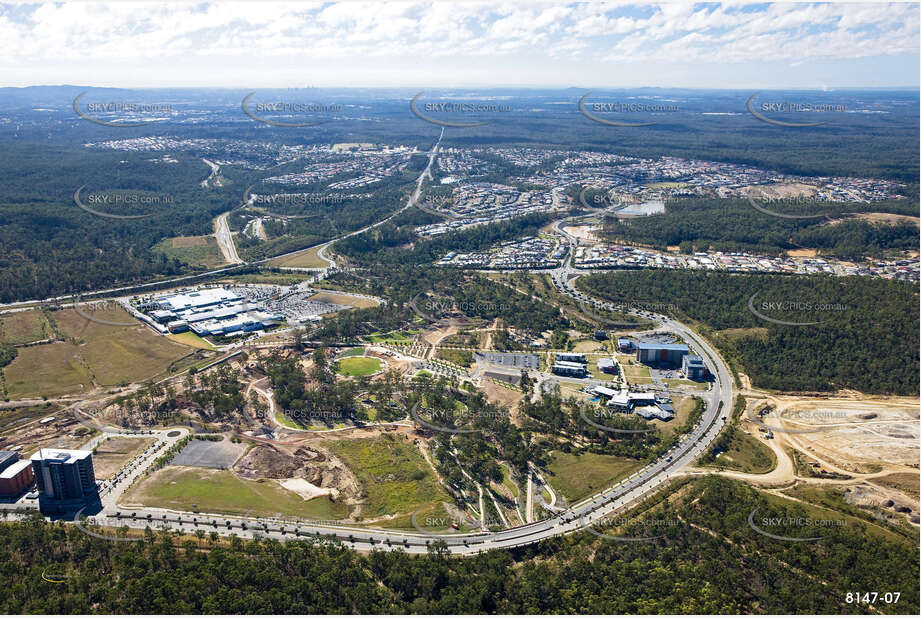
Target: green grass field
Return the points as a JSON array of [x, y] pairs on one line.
[[352, 352], [23, 327], [194, 250], [508, 482], [746, 454], [356, 366], [287, 278], [117, 354], [190, 339], [433, 518], [464, 358], [393, 336], [393, 474], [220, 491], [597, 373], [46, 371], [108, 355], [577, 477], [635, 373], [307, 258], [675, 382]]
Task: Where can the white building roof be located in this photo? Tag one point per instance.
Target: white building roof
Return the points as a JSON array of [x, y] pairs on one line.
[[64, 455], [15, 469], [198, 298], [605, 392]]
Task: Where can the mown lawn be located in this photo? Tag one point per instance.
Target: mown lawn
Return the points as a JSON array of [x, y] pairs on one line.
[[394, 336], [359, 366]]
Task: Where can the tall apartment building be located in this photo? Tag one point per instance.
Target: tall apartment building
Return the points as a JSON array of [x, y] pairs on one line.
[[65, 479]]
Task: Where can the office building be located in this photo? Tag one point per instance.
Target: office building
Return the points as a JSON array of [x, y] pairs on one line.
[[607, 365], [16, 478], [7, 459], [624, 401], [564, 368], [211, 311], [661, 354], [694, 368]]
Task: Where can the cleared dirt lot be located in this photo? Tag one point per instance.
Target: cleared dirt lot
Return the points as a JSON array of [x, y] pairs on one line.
[[114, 453], [866, 447], [855, 435]]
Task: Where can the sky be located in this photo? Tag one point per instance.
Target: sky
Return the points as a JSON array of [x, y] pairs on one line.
[[461, 44]]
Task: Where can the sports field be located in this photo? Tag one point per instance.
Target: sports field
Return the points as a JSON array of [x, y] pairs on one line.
[[357, 366]]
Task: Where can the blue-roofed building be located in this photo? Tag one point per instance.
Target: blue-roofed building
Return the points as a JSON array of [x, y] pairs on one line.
[[661, 354], [666, 411], [624, 345]]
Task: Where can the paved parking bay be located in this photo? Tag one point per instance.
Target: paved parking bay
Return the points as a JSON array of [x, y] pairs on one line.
[[207, 454]]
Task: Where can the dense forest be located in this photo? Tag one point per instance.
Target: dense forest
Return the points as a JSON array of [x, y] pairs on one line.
[[867, 338], [710, 561], [697, 224]]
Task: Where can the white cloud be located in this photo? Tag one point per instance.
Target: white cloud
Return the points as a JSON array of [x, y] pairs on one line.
[[405, 32]]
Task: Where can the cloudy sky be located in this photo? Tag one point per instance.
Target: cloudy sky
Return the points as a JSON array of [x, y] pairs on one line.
[[410, 44]]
